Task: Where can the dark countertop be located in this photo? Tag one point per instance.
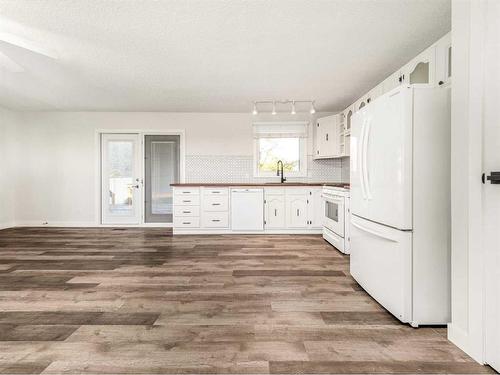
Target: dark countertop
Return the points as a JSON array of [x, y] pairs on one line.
[[263, 184]]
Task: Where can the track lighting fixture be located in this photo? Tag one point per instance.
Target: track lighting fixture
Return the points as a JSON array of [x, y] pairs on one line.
[[312, 110], [293, 103]]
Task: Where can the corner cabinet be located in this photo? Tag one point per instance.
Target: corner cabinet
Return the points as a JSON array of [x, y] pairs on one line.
[[327, 137]]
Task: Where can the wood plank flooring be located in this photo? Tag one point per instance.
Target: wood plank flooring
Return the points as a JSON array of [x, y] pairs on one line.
[[139, 301]]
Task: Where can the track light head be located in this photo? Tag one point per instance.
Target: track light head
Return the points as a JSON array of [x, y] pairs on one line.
[[274, 108], [312, 110], [254, 112], [293, 108]]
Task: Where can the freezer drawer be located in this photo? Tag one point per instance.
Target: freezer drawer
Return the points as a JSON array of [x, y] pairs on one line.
[[381, 263]]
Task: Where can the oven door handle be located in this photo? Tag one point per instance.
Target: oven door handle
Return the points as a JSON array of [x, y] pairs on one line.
[[329, 198]]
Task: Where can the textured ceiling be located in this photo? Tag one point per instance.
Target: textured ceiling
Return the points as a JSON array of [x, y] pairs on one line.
[[208, 55]]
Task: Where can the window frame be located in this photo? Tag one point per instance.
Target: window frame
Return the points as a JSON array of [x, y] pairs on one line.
[[303, 144]]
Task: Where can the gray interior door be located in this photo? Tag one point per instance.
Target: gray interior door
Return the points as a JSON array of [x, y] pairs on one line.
[[162, 158]]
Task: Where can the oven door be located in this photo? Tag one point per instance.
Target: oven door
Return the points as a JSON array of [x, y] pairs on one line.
[[334, 213]]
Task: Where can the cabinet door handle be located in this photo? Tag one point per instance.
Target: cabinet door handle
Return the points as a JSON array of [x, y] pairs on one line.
[[297, 212], [275, 212], [186, 222], [215, 220], [215, 204], [184, 201], [327, 136], [186, 212]]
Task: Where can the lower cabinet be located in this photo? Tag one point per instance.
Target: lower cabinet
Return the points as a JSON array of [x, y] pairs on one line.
[[316, 209], [274, 212], [289, 209], [296, 211], [293, 208]]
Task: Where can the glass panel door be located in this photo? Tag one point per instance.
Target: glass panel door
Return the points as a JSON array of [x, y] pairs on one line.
[[121, 187], [162, 162]]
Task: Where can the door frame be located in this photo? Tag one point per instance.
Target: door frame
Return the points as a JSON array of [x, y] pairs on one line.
[[98, 170], [469, 262]]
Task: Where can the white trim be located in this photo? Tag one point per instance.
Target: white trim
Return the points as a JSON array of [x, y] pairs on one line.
[[86, 224], [7, 225], [180, 231]]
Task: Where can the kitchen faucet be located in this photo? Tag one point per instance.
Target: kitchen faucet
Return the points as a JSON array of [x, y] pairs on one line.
[[283, 179]]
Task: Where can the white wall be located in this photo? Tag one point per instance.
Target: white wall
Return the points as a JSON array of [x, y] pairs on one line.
[[8, 123], [58, 158], [466, 328]]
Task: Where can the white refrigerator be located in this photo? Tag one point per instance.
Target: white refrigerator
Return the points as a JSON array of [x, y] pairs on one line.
[[400, 203]]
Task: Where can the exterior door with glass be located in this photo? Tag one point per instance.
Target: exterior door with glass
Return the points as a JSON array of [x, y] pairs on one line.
[[161, 167], [121, 186]]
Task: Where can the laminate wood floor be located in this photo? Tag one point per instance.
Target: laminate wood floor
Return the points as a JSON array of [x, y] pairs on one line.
[[141, 301]]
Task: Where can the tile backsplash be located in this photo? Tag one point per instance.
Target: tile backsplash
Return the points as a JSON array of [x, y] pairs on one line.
[[239, 168]]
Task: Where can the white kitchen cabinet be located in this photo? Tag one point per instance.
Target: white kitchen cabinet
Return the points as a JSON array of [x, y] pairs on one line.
[[315, 209], [375, 93], [391, 82], [421, 71], [327, 133], [286, 209], [360, 103], [296, 211], [349, 111], [443, 60], [275, 211]]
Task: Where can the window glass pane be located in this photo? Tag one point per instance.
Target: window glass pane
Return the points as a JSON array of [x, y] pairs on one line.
[[273, 149], [120, 158], [163, 173]]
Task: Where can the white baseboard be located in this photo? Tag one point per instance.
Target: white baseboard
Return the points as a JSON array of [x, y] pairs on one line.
[[70, 224], [86, 224], [7, 225], [182, 231]]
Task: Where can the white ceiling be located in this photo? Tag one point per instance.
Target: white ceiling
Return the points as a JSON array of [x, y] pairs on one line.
[[208, 55]]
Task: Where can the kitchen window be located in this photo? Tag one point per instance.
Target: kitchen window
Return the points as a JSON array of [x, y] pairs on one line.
[[280, 141]]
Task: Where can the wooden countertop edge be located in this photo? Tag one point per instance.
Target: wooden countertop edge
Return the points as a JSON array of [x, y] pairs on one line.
[[261, 184]]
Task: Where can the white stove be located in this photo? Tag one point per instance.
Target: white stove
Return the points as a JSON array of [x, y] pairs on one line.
[[336, 217]]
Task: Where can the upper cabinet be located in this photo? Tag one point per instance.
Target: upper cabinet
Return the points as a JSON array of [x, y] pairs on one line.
[[443, 60], [327, 137], [421, 71], [431, 68]]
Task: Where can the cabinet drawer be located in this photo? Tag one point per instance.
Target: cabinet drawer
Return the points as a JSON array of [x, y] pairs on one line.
[[187, 222], [215, 191], [187, 211], [215, 219], [186, 200], [215, 203], [297, 191], [187, 191], [274, 191]]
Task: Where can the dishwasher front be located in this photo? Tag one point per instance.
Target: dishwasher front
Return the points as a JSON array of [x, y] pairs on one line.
[[247, 209]]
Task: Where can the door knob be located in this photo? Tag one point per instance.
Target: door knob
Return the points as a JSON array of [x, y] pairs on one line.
[[494, 177]]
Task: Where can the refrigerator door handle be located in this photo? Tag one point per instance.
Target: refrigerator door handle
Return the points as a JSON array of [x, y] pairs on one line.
[[366, 178], [373, 232], [361, 156]]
